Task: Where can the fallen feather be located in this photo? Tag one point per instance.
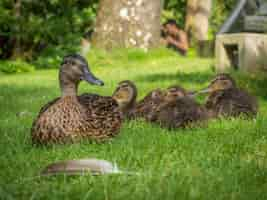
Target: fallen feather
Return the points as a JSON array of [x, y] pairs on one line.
[[80, 167]]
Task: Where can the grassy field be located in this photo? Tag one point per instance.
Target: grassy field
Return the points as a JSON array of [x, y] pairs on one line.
[[225, 160]]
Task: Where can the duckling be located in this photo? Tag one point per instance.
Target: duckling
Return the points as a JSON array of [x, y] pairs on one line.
[[125, 95], [227, 100], [71, 118], [178, 110], [149, 103]]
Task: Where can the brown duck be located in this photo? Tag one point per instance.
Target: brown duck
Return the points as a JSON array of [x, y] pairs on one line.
[[178, 110], [226, 99], [149, 103], [125, 95], [70, 118]]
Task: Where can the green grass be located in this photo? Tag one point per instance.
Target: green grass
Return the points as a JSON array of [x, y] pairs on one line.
[[225, 160]]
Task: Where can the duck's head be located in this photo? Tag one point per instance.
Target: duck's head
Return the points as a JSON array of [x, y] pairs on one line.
[[174, 92], [125, 94], [219, 83], [74, 69], [155, 96]]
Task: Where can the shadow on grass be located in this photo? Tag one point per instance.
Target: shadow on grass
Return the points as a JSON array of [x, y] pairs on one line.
[[256, 84], [194, 78]]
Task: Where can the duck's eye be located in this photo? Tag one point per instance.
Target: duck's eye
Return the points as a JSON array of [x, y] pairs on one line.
[[71, 62], [123, 86], [225, 82], [174, 92]]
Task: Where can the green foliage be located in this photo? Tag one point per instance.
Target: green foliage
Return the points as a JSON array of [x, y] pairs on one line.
[[47, 22], [175, 9], [52, 28], [51, 56], [220, 11], [17, 66]]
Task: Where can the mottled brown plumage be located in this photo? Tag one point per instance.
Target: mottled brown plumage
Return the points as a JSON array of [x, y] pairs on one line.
[[72, 118], [178, 110], [226, 100], [150, 102]]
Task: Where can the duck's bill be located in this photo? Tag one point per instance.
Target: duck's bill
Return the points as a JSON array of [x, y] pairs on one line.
[[192, 93], [204, 91], [90, 78]]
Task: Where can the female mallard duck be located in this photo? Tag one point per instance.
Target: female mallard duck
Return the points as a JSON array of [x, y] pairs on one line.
[[225, 99], [71, 117], [125, 95], [178, 110]]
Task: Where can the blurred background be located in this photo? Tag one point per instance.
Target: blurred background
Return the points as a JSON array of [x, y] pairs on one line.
[[36, 34]]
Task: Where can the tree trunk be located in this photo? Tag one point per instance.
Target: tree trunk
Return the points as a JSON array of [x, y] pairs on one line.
[[17, 40], [128, 23], [197, 19], [190, 18], [202, 19]]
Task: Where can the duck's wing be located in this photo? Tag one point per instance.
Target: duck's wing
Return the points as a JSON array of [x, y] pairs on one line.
[[243, 103], [189, 112], [220, 103], [232, 102], [98, 103], [167, 115], [102, 113], [142, 104], [144, 107], [86, 98], [214, 99]]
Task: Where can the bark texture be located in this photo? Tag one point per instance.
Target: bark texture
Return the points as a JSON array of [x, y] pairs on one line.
[[128, 23], [17, 40], [190, 17], [197, 19]]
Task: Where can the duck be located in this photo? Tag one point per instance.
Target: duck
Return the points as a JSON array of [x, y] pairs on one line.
[[178, 109], [150, 102], [225, 99], [126, 94], [72, 118]]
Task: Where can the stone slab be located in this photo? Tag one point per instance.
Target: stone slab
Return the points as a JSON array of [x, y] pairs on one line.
[[263, 9], [256, 23], [242, 51]]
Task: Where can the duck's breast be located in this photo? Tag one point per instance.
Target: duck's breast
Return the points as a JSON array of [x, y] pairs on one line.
[[58, 121]]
